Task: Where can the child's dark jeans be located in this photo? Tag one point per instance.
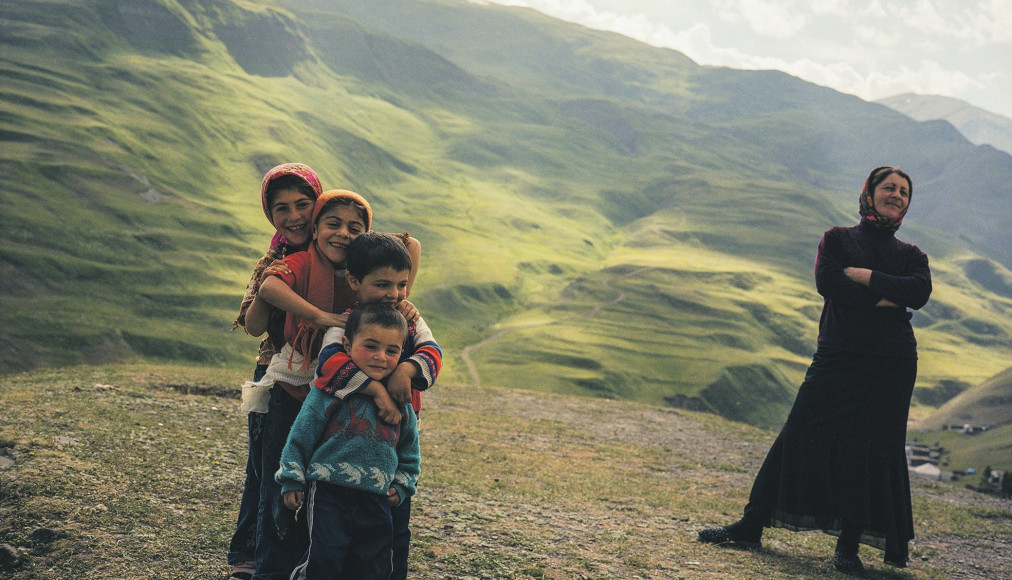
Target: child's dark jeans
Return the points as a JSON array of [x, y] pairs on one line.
[[350, 534], [402, 539], [242, 547], [281, 541]]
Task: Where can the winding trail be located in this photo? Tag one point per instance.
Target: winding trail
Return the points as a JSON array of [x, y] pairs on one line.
[[620, 296], [465, 355]]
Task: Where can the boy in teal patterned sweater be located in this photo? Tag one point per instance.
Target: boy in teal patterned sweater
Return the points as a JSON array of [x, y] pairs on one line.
[[355, 465]]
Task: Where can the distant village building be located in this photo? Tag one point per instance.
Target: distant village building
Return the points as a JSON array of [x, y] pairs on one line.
[[928, 470], [967, 428], [921, 453], [926, 460]]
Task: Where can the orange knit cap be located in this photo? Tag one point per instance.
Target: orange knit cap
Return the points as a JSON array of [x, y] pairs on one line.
[[332, 194]]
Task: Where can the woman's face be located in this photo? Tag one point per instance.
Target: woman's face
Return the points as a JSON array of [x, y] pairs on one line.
[[291, 212], [891, 197], [335, 229]]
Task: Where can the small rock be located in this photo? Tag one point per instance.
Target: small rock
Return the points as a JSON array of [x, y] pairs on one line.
[[44, 535], [6, 457], [9, 556]]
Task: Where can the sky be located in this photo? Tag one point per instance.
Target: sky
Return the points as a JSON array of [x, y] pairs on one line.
[[869, 48]]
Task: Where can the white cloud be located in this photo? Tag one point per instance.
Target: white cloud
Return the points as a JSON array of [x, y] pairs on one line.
[[777, 20], [976, 22], [869, 48]]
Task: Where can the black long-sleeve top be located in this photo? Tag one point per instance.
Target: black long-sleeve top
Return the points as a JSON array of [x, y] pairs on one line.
[[850, 320]]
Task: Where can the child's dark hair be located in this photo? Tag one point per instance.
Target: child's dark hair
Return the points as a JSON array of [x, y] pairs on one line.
[[372, 250], [288, 182], [376, 313]]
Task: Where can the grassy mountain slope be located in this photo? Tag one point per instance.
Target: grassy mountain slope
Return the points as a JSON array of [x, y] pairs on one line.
[[598, 216], [980, 126], [985, 405]]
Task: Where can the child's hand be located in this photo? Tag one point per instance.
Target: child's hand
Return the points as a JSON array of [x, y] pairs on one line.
[[278, 267], [399, 382], [393, 498], [387, 409], [293, 500], [328, 319], [408, 310]]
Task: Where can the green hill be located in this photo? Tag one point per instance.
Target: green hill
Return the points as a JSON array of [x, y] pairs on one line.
[[987, 404], [598, 216]]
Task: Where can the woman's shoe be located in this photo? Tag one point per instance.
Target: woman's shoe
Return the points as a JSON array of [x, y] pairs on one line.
[[847, 562], [736, 534], [242, 571], [894, 560]]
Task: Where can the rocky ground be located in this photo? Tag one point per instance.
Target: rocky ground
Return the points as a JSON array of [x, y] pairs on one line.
[[702, 451], [131, 472]]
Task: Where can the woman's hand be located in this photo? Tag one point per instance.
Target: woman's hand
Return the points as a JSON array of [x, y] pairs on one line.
[[860, 275]]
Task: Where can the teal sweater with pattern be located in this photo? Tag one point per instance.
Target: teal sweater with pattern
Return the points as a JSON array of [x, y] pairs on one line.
[[345, 443]]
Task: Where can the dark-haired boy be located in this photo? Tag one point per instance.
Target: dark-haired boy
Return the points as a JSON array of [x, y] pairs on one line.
[[348, 466], [378, 267]]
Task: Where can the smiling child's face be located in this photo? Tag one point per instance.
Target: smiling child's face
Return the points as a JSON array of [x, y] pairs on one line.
[[291, 213], [375, 350], [335, 229], [384, 285]]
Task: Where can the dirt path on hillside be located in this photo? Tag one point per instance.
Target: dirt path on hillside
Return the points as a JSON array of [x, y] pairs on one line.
[[619, 295], [465, 355]]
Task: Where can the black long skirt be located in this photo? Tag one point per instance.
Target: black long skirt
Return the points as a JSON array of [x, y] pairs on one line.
[[840, 456]]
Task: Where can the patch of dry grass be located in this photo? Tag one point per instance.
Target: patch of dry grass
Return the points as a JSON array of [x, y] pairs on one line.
[[135, 472]]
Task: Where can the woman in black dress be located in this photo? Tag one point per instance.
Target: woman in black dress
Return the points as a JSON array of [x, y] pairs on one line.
[[839, 463]]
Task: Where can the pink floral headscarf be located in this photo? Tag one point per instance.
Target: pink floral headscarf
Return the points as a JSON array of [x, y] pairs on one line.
[[297, 169]]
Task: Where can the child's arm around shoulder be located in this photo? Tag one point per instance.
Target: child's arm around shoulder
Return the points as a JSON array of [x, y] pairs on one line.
[[414, 248], [339, 376], [254, 315], [408, 460], [420, 369], [277, 290]]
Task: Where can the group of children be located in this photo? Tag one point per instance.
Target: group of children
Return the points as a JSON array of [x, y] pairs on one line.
[[333, 404]]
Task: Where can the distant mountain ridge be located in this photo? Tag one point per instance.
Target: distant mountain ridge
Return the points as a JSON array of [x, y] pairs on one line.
[[598, 216], [979, 126]]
